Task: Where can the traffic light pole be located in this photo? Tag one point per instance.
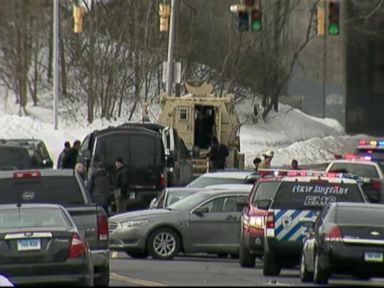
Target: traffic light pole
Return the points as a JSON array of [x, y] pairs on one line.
[[170, 50], [324, 60], [55, 61]]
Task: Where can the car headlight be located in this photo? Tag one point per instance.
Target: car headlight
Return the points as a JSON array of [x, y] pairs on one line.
[[133, 223], [256, 222]]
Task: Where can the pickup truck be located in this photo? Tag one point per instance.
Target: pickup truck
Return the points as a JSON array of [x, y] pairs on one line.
[[64, 187]]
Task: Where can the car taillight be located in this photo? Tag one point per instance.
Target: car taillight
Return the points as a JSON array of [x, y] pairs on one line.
[[270, 222], [162, 180], [376, 184], [334, 234], [26, 174], [102, 225], [77, 248]]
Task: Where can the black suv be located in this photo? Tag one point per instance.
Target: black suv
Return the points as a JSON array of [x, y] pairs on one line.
[[24, 154], [143, 154], [178, 158]]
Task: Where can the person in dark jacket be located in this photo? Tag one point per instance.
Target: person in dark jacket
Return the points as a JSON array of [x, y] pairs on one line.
[[120, 182], [217, 154], [70, 158], [99, 185], [67, 146]]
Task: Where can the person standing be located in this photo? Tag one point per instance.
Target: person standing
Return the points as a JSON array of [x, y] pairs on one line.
[[295, 165], [99, 185], [63, 153], [256, 162], [80, 169], [266, 163], [217, 154], [120, 182], [70, 158]]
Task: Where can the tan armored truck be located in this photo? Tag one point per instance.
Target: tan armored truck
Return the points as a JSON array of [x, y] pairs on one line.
[[200, 115]]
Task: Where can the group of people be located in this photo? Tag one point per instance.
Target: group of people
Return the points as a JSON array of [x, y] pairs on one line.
[[266, 163]]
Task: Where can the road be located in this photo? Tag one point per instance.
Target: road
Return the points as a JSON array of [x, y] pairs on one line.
[[206, 271]]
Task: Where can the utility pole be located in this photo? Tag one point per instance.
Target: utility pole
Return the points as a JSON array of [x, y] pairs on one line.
[[170, 50], [324, 59], [55, 61]]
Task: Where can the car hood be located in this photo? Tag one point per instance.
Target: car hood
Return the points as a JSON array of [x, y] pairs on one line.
[[141, 214]]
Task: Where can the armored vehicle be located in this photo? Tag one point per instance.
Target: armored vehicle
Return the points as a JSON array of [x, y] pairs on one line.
[[200, 115]]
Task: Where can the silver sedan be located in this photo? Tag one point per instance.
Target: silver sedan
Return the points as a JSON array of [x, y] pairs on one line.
[[207, 221]]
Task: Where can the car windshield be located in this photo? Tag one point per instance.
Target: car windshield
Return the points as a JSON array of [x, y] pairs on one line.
[[32, 217], [189, 202], [14, 158], [361, 170], [360, 216], [202, 182], [265, 190], [316, 194]]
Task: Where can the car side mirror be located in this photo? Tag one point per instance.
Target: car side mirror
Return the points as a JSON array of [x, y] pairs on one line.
[[240, 204], [308, 222], [263, 203], [201, 210]]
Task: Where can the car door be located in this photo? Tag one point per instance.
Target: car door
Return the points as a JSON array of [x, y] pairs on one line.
[[218, 229]]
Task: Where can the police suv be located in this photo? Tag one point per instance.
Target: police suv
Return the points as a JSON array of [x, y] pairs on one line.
[[301, 194]]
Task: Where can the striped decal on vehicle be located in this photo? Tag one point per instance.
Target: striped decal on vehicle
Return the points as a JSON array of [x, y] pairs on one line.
[[288, 226]]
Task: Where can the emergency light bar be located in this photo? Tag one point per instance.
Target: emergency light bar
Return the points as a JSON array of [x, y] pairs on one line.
[[309, 173], [353, 156], [379, 143]]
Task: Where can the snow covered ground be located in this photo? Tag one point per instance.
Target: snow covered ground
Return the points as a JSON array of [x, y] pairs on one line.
[[290, 133]]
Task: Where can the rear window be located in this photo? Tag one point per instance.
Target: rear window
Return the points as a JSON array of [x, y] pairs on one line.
[[360, 216], [14, 158], [265, 190], [361, 170], [32, 217], [307, 195], [56, 189], [202, 182]]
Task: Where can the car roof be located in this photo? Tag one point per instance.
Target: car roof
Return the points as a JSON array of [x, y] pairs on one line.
[[239, 187], [357, 161], [43, 172], [216, 192], [31, 205], [228, 174], [311, 178], [359, 205]]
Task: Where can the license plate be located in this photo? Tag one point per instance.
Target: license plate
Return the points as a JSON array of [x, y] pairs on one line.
[[132, 195], [373, 257], [28, 244]]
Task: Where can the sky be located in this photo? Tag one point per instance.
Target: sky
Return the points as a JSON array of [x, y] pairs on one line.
[[290, 133]]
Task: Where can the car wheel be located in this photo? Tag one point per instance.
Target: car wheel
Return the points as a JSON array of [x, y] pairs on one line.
[[246, 260], [137, 255], [272, 266], [163, 244], [305, 275], [103, 279], [320, 275]]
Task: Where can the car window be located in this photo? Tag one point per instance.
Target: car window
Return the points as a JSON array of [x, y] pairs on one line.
[[32, 217], [265, 190], [190, 201], [202, 182], [64, 190], [173, 197], [360, 216], [308, 195], [361, 170], [221, 204], [14, 157]]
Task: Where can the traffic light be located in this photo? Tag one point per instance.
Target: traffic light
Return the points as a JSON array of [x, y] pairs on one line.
[[243, 21], [256, 19], [78, 19], [320, 21], [333, 18], [164, 12]]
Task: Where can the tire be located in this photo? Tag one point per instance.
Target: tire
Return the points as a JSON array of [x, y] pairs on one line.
[[103, 279], [305, 275], [163, 244], [272, 266], [246, 260], [137, 255], [320, 275]]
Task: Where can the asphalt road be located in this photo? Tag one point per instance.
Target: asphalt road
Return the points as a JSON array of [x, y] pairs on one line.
[[206, 271]]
